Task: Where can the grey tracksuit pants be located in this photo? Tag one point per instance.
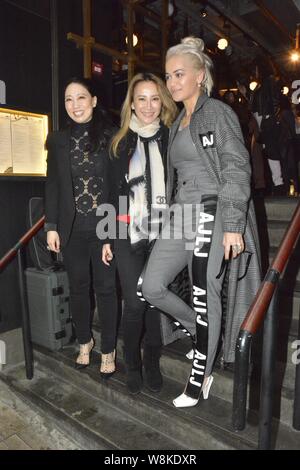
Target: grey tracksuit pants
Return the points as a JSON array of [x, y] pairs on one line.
[[169, 256]]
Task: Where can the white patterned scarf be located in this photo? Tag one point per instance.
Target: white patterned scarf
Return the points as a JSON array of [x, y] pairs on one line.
[[147, 194]]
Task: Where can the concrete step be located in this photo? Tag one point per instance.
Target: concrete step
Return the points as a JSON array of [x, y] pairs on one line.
[[290, 278], [289, 309], [285, 370], [212, 416], [99, 424], [276, 231], [23, 428], [32, 393], [207, 426], [280, 208], [149, 422], [286, 349], [279, 212], [176, 366], [273, 217]]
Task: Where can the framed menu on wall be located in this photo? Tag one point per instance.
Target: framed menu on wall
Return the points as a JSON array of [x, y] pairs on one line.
[[22, 143]]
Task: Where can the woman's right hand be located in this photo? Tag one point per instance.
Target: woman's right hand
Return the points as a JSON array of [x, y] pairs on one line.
[[53, 241], [107, 254]]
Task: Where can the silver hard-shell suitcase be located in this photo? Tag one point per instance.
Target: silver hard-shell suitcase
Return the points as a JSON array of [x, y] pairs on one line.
[[48, 301]]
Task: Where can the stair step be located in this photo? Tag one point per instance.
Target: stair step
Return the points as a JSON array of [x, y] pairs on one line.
[[150, 422], [176, 366], [15, 380], [279, 212], [99, 414], [21, 424], [93, 406], [292, 271], [101, 425], [287, 352], [273, 217], [289, 310], [280, 208], [166, 418], [276, 231]]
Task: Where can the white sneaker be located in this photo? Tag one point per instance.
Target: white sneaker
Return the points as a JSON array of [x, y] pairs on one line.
[[184, 401]]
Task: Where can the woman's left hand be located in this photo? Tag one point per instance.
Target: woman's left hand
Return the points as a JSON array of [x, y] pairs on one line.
[[233, 242], [107, 254]]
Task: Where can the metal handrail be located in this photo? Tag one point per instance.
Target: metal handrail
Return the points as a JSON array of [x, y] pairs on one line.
[[20, 243], [261, 308], [9, 256]]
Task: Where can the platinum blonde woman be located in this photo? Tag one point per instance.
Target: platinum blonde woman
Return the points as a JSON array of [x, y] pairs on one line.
[[206, 152]]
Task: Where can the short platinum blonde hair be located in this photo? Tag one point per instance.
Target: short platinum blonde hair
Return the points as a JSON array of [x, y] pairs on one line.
[[193, 47]]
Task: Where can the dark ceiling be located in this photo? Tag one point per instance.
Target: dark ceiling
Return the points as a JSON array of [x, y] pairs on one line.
[[258, 31]]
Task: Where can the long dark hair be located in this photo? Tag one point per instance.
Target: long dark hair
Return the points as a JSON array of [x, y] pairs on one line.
[[99, 122]]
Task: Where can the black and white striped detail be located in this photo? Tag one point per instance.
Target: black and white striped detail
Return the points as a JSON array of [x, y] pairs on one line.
[[199, 269]]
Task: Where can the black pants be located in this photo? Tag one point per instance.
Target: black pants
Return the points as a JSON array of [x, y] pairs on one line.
[[83, 251], [290, 164], [137, 316]]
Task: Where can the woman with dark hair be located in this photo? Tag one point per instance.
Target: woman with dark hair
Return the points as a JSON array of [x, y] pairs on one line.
[[77, 182], [138, 154]]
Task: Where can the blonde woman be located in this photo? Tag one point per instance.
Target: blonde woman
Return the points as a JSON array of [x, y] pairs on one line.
[[206, 149], [137, 174]]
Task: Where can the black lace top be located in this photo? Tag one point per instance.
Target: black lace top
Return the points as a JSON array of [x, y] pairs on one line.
[[87, 175]]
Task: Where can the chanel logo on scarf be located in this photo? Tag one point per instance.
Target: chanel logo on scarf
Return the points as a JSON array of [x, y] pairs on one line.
[[207, 140], [161, 200]]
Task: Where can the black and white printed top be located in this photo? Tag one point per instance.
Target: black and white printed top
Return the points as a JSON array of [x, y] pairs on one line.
[[87, 176]]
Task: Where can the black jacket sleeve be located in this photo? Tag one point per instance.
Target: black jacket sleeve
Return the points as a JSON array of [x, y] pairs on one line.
[[51, 188]]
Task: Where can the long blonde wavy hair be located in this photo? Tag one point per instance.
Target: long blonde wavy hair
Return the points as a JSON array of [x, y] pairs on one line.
[[168, 110]]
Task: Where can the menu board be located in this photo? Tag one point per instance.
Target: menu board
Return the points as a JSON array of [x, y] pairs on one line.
[[22, 143]]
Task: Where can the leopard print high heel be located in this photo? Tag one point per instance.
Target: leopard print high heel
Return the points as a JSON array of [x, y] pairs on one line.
[[108, 364], [84, 356]]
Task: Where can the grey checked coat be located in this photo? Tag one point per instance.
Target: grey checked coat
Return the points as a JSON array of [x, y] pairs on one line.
[[217, 136]]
